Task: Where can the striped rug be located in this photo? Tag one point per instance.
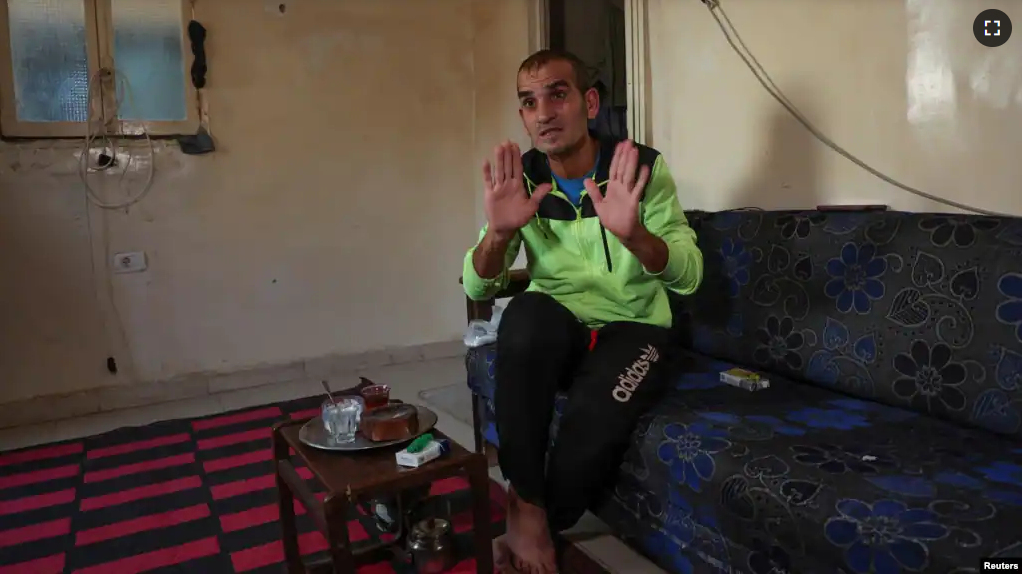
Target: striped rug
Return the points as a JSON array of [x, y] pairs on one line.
[[191, 496]]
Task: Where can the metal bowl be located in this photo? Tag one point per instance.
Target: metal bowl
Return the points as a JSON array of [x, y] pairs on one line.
[[313, 434]]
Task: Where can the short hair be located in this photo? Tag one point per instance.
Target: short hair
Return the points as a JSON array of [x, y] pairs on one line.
[[540, 59]]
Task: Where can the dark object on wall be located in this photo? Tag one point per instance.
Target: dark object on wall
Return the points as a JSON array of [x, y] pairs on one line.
[[197, 35], [198, 144], [201, 142], [104, 161], [112, 365]]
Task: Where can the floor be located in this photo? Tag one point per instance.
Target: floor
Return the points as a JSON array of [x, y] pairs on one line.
[[406, 382]]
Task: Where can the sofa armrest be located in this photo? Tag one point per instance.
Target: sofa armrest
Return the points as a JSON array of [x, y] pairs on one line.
[[518, 281]]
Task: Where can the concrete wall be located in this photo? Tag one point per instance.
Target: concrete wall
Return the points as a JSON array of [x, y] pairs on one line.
[[332, 219], [902, 84]]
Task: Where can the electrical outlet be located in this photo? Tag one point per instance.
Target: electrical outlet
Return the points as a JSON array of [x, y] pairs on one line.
[[130, 262]]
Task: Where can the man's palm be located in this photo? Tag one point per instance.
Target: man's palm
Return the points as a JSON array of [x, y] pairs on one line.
[[507, 205], [618, 207]]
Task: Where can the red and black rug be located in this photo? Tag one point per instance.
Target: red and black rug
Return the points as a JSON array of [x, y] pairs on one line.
[[191, 496]]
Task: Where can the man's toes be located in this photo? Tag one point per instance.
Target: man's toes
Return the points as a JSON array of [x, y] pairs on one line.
[[502, 555], [534, 566]]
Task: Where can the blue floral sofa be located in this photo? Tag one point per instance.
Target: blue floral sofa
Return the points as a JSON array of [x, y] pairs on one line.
[[889, 440]]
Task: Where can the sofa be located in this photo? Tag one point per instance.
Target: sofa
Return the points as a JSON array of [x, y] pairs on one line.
[[889, 438]]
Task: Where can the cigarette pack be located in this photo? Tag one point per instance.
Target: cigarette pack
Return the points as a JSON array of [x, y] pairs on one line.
[[744, 379], [416, 459]]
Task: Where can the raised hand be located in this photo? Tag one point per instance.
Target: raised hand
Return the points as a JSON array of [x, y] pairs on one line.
[[618, 206], [505, 201]]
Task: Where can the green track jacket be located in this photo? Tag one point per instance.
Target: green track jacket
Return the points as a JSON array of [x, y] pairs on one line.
[[571, 257]]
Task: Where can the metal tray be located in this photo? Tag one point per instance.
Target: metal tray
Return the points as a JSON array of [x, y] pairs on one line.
[[313, 434]]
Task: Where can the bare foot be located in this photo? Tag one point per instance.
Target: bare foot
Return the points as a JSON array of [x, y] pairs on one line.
[[502, 555], [529, 538]]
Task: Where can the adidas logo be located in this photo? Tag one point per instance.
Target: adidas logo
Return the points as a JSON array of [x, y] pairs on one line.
[[629, 380]]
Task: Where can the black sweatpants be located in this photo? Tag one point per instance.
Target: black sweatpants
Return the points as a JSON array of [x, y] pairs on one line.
[[542, 348]]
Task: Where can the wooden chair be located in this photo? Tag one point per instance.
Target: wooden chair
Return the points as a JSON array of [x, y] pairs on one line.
[[484, 310]]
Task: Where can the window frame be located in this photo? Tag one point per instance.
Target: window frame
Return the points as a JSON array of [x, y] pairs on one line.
[[100, 51]]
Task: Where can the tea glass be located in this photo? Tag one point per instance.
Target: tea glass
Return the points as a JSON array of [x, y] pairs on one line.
[[341, 419], [375, 396]]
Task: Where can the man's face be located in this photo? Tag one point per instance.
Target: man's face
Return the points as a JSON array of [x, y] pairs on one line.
[[553, 111]]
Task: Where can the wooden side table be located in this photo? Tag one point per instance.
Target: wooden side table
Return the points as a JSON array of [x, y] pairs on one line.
[[350, 478]]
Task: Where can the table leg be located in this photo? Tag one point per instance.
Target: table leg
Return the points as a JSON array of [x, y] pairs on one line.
[[479, 483], [336, 512], [286, 509]]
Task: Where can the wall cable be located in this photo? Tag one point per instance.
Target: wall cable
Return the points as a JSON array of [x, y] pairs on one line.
[[97, 131], [723, 22]]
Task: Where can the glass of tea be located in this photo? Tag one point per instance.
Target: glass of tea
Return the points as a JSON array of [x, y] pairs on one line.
[[341, 418], [376, 396]]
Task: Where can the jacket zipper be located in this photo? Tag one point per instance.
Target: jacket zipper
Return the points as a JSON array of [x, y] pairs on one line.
[[607, 250], [575, 229], [575, 223], [603, 234]]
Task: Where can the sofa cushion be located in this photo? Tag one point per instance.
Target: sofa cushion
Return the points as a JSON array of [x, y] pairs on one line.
[[810, 480], [918, 311], [479, 368]]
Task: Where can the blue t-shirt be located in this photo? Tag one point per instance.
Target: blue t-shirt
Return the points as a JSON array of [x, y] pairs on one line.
[[573, 188]]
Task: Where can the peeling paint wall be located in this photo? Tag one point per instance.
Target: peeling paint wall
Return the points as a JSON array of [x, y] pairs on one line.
[[332, 218], [334, 215], [902, 84]]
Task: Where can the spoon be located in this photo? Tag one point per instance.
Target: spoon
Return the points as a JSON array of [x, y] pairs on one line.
[[326, 387]]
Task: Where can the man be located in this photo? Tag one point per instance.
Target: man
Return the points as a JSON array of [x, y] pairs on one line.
[[605, 237]]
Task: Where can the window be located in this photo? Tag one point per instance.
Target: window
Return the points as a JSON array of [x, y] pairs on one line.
[[66, 62]]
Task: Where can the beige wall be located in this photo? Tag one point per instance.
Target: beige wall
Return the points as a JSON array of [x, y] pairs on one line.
[[332, 218], [334, 215], [900, 83]]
